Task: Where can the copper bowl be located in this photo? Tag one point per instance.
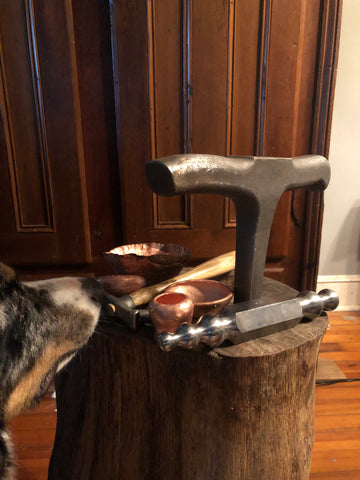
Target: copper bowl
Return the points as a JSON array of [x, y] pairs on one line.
[[207, 295], [121, 284], [153, 261], [168, 310]]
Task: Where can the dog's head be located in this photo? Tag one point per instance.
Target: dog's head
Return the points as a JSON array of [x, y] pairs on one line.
[[42, 325]]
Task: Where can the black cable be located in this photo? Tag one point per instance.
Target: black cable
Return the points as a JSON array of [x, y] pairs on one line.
[[340, 380], [297, 221]]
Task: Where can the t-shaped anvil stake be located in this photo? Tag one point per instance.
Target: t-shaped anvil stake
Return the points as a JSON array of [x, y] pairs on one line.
[[255, 184]]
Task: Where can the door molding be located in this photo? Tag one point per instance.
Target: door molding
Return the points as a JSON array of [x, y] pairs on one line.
[[323, 108]]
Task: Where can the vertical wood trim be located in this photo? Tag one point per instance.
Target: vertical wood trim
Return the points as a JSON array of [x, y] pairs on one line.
[[152, 101], [187, 87], [173, 224], [20, 225], [187, 98], [158, 223], [150, 11], [297, 89], [328, 61], [297, 100], [265, 29], [78, 127], [230, 76], [264, 43], [228, 223], [9, 142], [327, 67], [31, 31], [40, 115], [130, 64]]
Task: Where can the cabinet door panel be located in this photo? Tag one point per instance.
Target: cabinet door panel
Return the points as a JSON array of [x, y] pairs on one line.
[[44, 206], [227, 77]]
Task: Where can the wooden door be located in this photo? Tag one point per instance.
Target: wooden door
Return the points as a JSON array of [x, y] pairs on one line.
[[58, 168], [43, 216], [226, 77]]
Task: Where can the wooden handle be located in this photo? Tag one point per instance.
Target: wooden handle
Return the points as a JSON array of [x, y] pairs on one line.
[[216, 266]]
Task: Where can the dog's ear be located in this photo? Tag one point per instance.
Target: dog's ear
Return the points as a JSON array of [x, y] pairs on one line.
[[7, 274]]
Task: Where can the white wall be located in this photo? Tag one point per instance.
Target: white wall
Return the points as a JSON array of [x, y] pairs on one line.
[[340, 244]]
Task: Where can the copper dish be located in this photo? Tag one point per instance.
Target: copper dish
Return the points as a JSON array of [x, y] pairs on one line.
[[207, 295], [153, 261], [121, 284], [168, 310]]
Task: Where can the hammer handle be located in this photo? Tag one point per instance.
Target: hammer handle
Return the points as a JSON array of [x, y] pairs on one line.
[[216, 266]]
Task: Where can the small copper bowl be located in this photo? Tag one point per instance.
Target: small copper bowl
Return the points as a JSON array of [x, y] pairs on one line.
[[121, 284], [153, 261], [207, 295], [168, 310]]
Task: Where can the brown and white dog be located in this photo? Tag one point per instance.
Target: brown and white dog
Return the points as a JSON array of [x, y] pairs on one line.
[[42, 325]]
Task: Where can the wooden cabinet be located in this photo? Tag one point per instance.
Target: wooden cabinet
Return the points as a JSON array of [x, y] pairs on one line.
[[44, 162], [55, 152], [227, 77]]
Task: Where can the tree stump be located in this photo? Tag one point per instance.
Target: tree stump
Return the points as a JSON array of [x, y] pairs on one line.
[[128, 411]]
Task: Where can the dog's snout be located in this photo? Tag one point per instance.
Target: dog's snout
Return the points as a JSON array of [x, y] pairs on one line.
[[47, 321]]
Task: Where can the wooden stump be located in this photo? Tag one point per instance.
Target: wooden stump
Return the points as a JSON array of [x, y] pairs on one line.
[[128, 411]]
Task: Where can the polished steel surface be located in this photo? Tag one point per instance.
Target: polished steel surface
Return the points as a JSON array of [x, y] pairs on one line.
[[249, 320], [255, 184]]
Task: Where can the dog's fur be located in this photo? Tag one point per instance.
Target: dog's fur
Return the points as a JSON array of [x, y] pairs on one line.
[[42, 325]]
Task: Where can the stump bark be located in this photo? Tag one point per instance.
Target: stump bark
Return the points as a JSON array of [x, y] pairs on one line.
[[127, 410]]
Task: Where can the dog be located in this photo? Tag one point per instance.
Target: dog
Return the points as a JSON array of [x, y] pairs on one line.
[[43, 324]]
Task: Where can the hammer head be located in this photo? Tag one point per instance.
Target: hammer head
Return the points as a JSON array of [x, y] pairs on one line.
[[255, 184]]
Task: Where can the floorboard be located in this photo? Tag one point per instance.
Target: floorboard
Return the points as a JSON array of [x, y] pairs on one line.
[[33, 435], [336, 453]]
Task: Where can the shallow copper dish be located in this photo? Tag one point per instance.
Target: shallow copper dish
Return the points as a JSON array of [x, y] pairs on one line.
[[207, 295], [121, 284], [154, 261]]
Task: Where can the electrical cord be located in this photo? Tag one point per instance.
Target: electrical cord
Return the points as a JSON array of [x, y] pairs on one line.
[[339, 380]]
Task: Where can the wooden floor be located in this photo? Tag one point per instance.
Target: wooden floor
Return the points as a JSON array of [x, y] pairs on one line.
[[336, 454], [33, 435]]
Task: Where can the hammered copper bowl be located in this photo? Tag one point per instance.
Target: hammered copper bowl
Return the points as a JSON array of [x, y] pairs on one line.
[[154, 261], [168, 310], [207, 295]]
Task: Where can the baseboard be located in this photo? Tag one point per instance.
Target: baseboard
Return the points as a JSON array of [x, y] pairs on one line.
[[346, 286]]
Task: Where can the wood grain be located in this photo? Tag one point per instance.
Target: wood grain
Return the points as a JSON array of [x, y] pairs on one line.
[[33, 434], [42, 136], [229, 78], [330, 425], [59, 201], [128, 410], [337, 419]]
